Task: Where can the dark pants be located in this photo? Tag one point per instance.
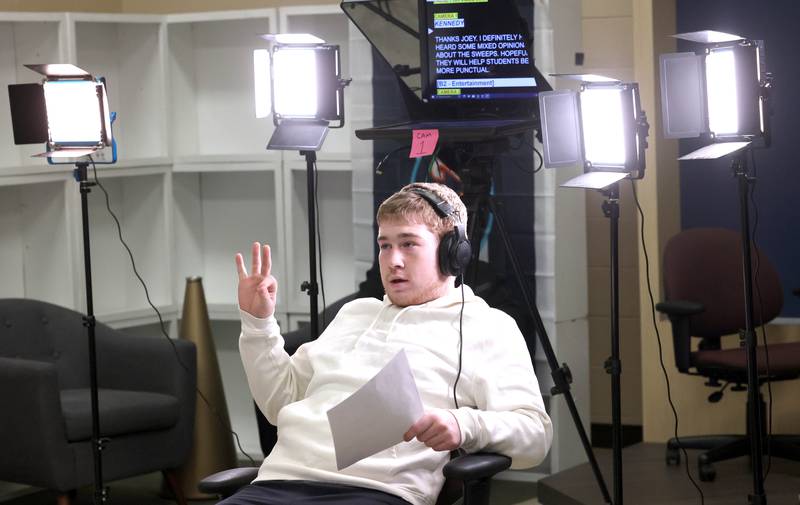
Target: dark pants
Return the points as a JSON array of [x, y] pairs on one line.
[[302, 492]]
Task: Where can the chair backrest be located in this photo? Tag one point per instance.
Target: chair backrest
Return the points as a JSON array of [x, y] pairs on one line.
[[41, 331], [704, 265]]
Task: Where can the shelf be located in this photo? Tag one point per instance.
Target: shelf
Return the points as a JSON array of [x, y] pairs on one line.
[[14, 176], [140, 317], [127, 51], [140, 204], [335, 228], [268, 161], [35, 242], [210, 66], [336, 162], [217, 214], [224, 311]]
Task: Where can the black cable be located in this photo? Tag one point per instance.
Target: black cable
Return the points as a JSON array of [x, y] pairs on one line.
[[460, 341], [160, 319], [518, 165], [380, 163], [541, 158], [658, 338], [535, 152], [319, 245], [763, 325]]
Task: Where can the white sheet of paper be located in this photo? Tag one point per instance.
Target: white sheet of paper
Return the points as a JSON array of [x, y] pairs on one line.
[[376, 416]]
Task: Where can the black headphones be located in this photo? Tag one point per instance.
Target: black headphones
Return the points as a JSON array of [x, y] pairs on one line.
[[455, 250]]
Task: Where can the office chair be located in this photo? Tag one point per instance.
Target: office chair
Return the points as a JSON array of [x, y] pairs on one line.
[[469, 476], [704, 300]]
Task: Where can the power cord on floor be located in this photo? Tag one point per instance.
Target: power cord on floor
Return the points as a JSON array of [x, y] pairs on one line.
[[658, 339], [160, 319]]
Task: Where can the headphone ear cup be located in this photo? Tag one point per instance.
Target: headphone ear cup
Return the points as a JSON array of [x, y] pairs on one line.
[[446, 246], [462, 255], [454, 252]]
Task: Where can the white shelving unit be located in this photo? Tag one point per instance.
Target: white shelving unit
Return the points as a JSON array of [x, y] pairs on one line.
[[212, 95], [227, 187], [335, 230], [139, 197], [128, 51], [35, 242], [217, 214], [194, 182]]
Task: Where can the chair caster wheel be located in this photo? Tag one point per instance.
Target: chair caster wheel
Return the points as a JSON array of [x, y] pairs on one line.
[[706, 471], [673, 456]]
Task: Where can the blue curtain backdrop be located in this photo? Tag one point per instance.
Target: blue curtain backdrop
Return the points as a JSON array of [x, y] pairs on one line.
[[709, 194]]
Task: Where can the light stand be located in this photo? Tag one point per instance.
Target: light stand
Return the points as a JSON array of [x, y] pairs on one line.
[[481, 202], [98, 443], [613, 365], [306, 136], [310, 286], [721, 92], [755, 424], [306, 96], [604, 128], [69, 112]]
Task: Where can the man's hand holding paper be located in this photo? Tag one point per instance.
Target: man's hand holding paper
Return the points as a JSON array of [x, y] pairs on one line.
[[379, 415]]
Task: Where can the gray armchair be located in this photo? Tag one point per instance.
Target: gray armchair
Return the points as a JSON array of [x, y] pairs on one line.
[[146, 400]]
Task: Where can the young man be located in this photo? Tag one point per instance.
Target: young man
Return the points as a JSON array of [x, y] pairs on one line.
[[470, 363]]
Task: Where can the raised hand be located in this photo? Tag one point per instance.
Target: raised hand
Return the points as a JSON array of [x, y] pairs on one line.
[[258, 290]]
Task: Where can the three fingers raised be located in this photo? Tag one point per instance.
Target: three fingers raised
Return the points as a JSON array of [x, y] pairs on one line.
[[261, 261]]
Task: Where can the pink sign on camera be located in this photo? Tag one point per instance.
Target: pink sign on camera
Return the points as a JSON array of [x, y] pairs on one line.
[[423, 142]]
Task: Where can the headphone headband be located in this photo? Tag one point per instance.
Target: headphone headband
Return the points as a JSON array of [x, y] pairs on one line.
[[440, 206], [454, 248]]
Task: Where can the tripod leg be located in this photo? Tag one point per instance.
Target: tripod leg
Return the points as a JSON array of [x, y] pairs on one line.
[[560, 374]]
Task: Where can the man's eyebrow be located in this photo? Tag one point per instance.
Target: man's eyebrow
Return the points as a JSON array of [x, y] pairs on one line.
[[402, 235]]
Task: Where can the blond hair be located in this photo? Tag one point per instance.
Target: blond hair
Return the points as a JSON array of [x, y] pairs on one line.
[[411, 207]]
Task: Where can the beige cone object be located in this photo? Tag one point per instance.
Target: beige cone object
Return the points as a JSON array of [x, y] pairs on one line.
[[212, 447]]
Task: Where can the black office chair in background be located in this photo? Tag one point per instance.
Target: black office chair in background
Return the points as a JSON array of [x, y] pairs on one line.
[[704, 299]]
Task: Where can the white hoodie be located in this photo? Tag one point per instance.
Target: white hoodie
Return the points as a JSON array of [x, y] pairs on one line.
[[501, 408]]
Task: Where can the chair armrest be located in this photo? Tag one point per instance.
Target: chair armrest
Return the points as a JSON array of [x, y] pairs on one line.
[[227, 482], [680, 308], [476, 466], [33, 435], [679, 313]]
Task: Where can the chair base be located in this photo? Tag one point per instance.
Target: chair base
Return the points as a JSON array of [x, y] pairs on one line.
[[724, 447]]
